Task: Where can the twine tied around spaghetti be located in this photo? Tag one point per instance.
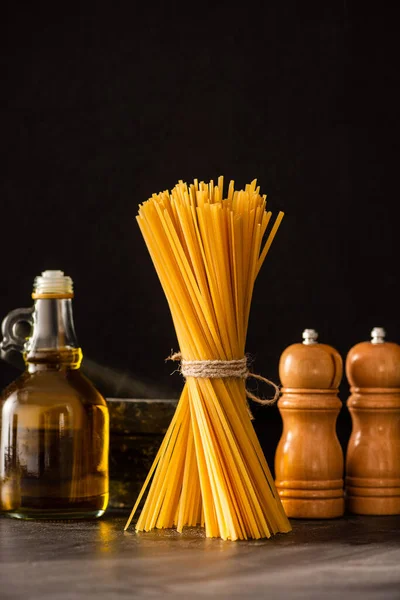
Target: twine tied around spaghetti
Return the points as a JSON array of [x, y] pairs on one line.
[[221, 369]]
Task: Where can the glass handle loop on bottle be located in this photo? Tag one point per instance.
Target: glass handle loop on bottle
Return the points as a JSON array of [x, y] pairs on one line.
[[15, 329]]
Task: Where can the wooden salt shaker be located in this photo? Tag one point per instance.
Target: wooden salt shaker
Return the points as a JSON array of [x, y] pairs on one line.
[[373, 452], [309, 457]]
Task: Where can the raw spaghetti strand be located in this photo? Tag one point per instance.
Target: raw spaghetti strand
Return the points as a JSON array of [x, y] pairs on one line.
[[210, 469]]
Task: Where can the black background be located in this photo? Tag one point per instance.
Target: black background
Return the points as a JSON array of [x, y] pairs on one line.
[[105, 107]]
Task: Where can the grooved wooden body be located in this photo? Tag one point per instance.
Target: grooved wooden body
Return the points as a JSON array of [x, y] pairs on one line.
[[309, 458], [373, 453]]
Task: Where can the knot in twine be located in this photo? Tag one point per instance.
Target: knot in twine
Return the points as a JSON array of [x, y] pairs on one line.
[[221, 369]]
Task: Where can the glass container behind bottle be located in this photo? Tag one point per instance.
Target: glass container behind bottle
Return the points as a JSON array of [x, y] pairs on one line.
[[54, 423]]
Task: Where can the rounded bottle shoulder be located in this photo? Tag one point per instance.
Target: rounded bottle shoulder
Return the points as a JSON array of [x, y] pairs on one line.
[[57, 386], [312, 366], [371, 365]]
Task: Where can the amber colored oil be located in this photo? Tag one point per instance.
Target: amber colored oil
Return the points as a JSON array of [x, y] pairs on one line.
[[54, 443]]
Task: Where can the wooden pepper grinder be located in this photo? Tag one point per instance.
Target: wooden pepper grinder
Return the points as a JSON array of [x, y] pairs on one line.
[[373, 452], [309, 457]]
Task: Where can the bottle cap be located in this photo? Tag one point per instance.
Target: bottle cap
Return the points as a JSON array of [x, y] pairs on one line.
[[374, 364], [52, 283], [310, 365], [310, 336], [378, 335]]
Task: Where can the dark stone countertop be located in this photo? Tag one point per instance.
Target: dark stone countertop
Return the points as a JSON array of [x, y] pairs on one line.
[[354, 557]]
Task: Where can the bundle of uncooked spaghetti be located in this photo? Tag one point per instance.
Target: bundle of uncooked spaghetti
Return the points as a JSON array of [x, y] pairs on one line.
[[210, 469]]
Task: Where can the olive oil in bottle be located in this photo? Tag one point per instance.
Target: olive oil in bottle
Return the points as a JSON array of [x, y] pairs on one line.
[[54, 423]]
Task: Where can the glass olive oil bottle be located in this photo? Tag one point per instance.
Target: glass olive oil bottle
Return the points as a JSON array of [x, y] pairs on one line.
[[54, 423]]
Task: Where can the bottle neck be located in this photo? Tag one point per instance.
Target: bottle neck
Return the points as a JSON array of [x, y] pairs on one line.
[[53, 344]]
